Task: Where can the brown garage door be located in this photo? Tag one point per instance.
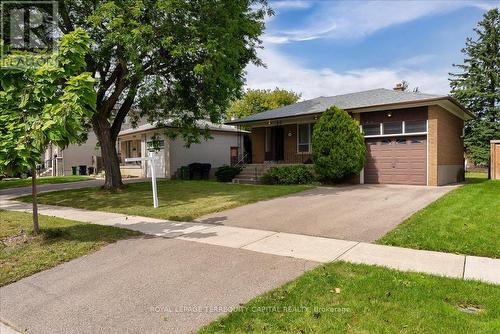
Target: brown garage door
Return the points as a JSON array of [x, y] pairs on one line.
[[399, 160]]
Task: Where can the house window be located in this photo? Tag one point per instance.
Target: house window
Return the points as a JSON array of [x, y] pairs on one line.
[[392, 128], [304, 137], [415, 126], [371, 129]]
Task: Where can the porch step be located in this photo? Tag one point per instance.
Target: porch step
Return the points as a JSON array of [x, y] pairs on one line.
[[245, 181], [252, 173]]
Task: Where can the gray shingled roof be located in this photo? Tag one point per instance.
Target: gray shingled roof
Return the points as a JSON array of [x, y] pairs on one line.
[[201, 124], [362, 99]]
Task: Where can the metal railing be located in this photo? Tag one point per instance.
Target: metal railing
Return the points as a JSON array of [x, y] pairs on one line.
[[241, 162]]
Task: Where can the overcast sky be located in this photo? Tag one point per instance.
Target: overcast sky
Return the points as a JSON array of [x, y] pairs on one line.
[[324, 48]]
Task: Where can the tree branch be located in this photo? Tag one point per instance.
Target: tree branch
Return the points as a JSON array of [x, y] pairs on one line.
[[123, 111]]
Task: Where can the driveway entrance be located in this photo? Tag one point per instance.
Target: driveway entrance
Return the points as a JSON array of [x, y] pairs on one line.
[[359, 213]]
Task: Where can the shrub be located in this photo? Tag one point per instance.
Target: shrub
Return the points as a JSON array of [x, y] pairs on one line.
[[227, 173], [297, 174], [338, 146]]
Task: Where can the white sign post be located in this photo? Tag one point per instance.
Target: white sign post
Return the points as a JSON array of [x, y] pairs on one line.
[[151, 158]]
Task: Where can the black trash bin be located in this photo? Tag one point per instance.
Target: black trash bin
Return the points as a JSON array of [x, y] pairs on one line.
[[184, 173], [195, 171], [82, 169], [91, 170], [205, 171], [73, 170]]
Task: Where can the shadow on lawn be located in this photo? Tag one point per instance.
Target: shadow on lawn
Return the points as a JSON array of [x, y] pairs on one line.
[[85, 233]]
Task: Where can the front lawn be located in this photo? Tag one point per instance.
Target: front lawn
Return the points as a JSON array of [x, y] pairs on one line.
[[61, 240], [345, 298], [178, 200], [14, 183], [466, 221]]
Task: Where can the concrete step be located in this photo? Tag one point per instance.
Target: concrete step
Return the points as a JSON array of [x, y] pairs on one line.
[[245, 181]]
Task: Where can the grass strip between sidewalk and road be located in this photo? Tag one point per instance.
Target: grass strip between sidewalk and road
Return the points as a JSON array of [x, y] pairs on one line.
[[15, 183], [22, 254], [346, 298], [178, 200]]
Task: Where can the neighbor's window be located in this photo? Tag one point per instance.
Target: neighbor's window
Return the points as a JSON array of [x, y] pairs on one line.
[[371, 129], [304, 137], [391, 128], [415, 126]]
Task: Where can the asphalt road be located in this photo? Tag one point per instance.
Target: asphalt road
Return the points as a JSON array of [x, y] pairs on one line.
[[144, 285]]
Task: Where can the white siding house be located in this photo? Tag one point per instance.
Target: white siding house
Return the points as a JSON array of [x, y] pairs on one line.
[[173, 154]]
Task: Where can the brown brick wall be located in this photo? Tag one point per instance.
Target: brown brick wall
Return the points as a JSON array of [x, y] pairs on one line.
[[432, 146], [445, 145], [451, 147], [258, 142]]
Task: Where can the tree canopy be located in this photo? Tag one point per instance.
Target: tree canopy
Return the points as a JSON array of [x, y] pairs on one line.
[[176, 60], [43, 104], [50, 103], [477, 87], [258, 100]]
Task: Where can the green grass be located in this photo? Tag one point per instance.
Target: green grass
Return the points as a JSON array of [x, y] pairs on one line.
[[61, 240], [14, 183], [371, 300], [466, 221], [178, 200]]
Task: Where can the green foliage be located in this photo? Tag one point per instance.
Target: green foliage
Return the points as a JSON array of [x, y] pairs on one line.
[[297, 174], [258, 100], [227, 173], [477, 87], [338, 146], [181, 60], [50, 103]]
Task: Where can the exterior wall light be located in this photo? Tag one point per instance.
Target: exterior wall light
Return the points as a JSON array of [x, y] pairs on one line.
[[389, 114]]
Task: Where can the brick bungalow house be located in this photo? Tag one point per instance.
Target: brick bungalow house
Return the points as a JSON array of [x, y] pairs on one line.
[[411, 138]]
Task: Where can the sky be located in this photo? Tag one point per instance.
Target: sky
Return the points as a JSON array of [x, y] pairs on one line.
[[329, 47]]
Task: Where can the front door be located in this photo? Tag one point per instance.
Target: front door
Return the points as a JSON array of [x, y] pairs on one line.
[[274, 143]]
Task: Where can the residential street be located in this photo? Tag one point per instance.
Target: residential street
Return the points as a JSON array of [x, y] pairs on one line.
[[144, 285]]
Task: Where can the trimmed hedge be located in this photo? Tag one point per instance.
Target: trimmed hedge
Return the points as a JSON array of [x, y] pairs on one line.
[[227, 173], [338, 146], [297, 174]]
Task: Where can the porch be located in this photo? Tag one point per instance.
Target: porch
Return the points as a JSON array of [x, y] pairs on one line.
[[282, 144]]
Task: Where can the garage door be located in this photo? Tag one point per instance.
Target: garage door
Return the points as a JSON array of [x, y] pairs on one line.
[[398, 160]]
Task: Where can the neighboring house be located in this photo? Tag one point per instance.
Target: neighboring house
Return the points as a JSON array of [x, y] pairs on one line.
[[58, 161], [411, 138], [222, 149]]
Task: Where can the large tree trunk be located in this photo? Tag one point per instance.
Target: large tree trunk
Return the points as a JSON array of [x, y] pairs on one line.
[[110, 161], [36, 227]]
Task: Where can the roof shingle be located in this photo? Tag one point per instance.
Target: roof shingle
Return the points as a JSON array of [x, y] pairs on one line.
[[362, 99]]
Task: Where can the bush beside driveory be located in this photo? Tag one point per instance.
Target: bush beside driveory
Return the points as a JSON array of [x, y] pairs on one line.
[[227, 173], [338, 146], [297, 174]]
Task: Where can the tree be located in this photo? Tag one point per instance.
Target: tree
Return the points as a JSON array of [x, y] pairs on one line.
[[477, 87], [405, 85], [48, 103], [338, 146], [177, 60], [258, 100]]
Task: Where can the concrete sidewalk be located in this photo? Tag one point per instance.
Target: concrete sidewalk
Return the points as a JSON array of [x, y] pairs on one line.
[[297, 246]]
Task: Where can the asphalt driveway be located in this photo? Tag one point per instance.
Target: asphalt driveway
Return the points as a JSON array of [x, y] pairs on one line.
[[143, 285], [359, 213]]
